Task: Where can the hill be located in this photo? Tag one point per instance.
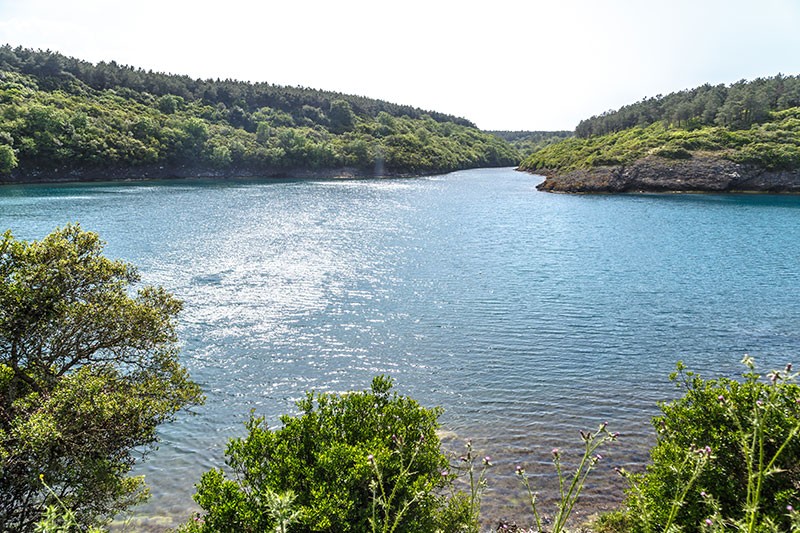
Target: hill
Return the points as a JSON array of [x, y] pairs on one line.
[[745, 137], [530, 142], [67, 119]]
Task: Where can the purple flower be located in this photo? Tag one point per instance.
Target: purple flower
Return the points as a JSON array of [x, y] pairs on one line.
[[371, 458], [556, 453], [790, 508], [519, 470], [487, 461], [709, 522]]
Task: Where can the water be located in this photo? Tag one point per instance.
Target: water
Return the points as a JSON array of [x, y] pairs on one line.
[[527, 316]]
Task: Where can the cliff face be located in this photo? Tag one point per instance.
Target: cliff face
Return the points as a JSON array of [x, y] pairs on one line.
[[655, 174]]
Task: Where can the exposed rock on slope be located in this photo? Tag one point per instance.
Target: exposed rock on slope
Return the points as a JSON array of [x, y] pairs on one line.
[[701, 173]]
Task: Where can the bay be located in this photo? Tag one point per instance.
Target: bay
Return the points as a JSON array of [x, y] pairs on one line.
[[527, 316]]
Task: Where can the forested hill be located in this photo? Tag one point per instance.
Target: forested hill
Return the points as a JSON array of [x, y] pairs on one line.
[[742, 137], [737, 106], [62, 118], [528, 142]]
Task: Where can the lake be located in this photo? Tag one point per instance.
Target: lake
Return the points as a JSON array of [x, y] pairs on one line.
[[527, 316]]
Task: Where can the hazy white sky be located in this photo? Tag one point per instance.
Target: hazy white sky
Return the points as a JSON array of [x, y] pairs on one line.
[[521, 64]]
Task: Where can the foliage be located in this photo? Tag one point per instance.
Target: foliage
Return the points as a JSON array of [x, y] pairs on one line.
[[530, 142], [63, 115], [58, 518], [361, 461], [569, 489], [737, 106], [470, 503], [87, 373], [727, 456], [773, 145]]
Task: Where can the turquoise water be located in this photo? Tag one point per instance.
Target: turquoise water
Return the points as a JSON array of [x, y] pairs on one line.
[[527, 316]]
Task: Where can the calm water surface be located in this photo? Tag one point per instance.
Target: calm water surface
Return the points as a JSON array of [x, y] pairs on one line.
[[527, 316]]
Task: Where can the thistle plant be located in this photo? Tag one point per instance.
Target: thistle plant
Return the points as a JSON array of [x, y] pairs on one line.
[[749, 484], [389, 507], [761, 460], [569, 488], [58, 518], [475, 473], [695, 461], [281, 508]]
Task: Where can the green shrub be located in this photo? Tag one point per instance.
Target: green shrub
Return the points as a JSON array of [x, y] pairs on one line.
[[361, 461], [727, 450], [673, 152]]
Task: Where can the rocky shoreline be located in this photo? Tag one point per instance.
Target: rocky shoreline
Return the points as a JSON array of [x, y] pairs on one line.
[[163, 172], [700, 173]]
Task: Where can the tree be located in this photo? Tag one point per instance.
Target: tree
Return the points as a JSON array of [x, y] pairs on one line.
[[341, 116], [8, 159], [87, 373]]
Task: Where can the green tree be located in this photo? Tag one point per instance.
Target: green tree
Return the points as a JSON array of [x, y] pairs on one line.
[[341, 116], [87, 373], [8, 159]]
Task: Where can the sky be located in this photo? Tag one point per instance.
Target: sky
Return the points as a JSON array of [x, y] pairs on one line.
[[503, 64]]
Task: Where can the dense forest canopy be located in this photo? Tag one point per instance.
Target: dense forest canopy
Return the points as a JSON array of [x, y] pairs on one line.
[[737, 106], [528, 142], [63, 116], [754, 123], [56, 71]]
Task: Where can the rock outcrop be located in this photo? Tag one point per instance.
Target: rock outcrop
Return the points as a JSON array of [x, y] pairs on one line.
[[700, 173]]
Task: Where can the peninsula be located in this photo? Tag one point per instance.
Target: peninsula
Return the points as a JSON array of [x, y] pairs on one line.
[[739, 138], [64, 119]]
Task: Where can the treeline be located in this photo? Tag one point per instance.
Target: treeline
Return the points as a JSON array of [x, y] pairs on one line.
[[773, 144], [56, 71], [737, 106], [529, 142], [64, 116]]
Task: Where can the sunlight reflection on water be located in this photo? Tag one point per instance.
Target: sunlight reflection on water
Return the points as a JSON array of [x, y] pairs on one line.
[[527, 316]]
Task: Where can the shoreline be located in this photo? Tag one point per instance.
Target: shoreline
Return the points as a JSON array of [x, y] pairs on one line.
[[652, 174], [179, 172]]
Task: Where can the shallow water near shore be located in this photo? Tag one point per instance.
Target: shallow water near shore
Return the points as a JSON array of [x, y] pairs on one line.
[[527, 316]]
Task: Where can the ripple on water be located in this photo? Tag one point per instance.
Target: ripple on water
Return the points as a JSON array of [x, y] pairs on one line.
[[527, 316]]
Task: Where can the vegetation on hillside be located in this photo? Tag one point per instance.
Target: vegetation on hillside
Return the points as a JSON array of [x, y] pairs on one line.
[[737, 106], [61, 114], [755, 123], [773, 144], [529, 142]]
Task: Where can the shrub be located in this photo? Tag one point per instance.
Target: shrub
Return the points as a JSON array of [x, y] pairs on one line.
[[727, 450], [361, 461]]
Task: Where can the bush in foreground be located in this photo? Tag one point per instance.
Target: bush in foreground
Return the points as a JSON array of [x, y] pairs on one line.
[[727, 456], [361, 461]]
